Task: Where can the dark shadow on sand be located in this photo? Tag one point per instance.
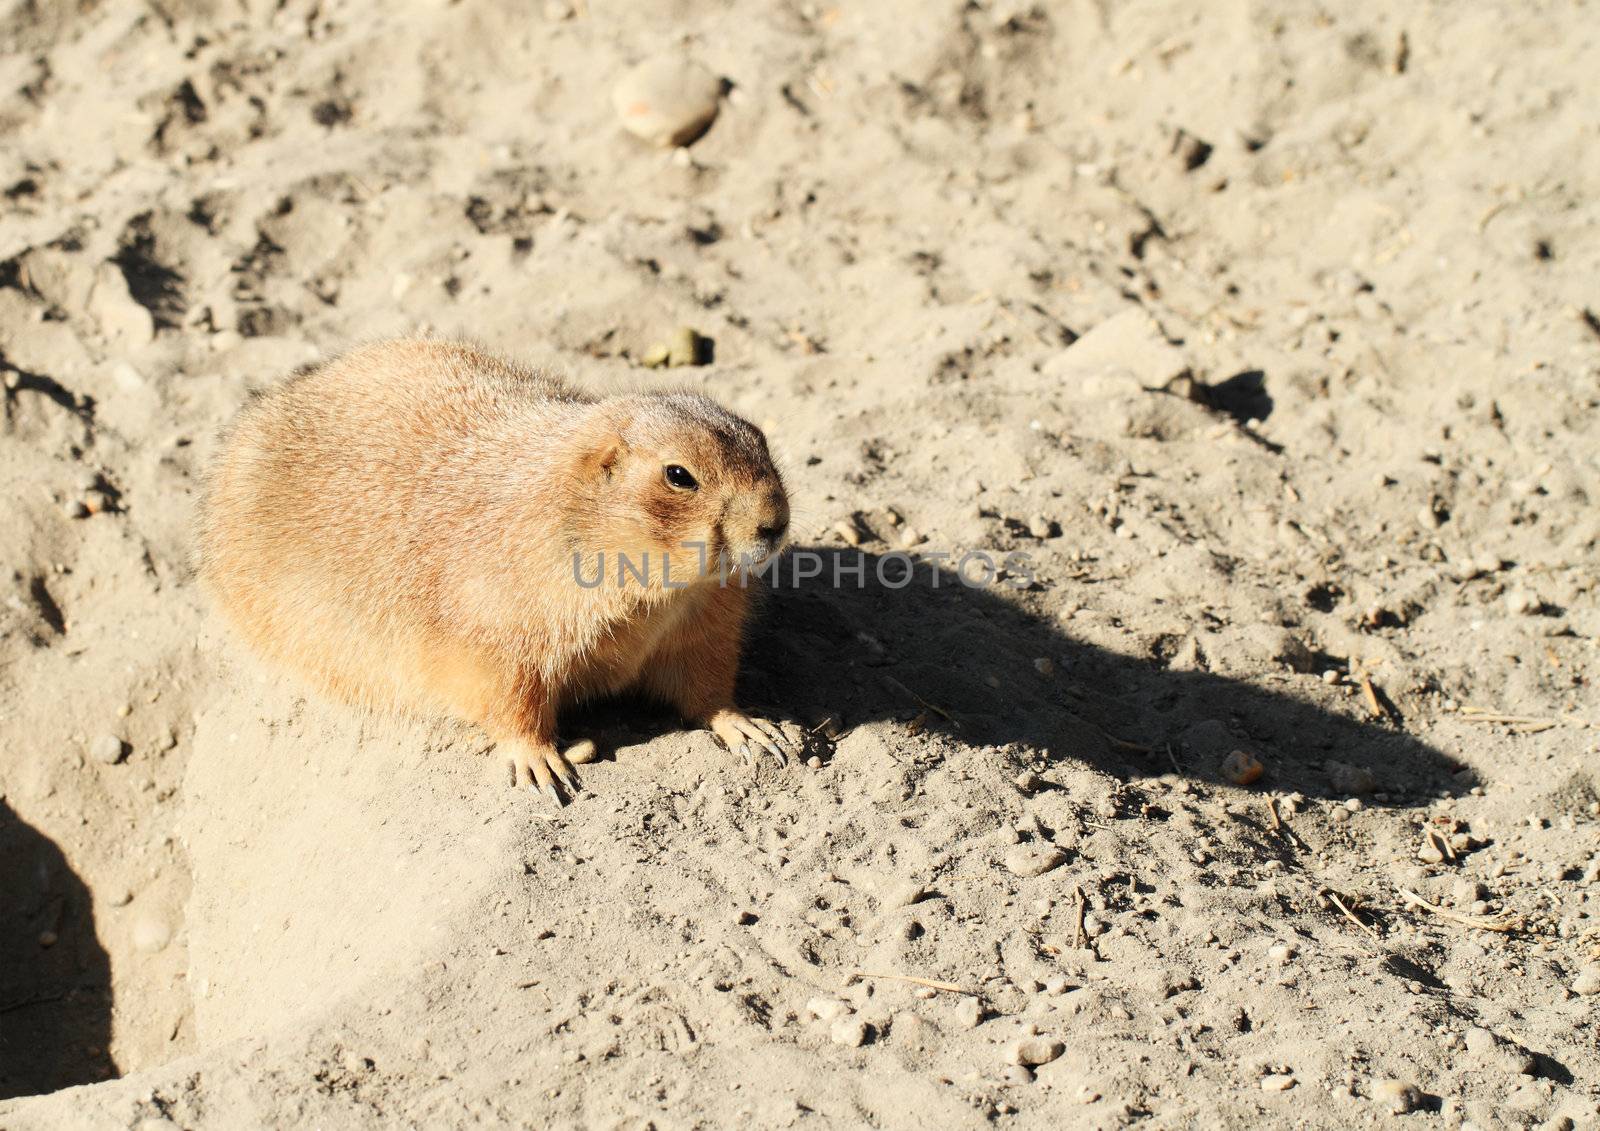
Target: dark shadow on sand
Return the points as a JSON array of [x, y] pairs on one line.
[[55, 999], [876, 652]]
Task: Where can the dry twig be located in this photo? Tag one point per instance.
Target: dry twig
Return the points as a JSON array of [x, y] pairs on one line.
[[1502, 926], [1081, 937], [1333, 897], [946, 987]]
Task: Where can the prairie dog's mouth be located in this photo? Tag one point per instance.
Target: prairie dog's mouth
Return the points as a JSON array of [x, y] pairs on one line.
[[753, 554]]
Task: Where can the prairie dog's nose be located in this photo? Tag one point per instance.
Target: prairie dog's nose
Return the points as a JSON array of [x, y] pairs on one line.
[[774, 531]]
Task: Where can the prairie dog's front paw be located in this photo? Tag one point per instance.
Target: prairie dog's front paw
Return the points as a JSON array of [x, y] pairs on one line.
[[739, 732], [539, 766]]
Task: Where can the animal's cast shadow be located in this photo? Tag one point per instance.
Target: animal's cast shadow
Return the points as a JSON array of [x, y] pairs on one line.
[[55, 977], [965, 659], [831, 638]]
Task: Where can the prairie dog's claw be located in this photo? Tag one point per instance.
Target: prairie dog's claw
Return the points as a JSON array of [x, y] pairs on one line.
[[741, 733], [538, 767]]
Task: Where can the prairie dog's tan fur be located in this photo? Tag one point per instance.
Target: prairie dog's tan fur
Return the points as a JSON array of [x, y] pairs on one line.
[[400, 525]]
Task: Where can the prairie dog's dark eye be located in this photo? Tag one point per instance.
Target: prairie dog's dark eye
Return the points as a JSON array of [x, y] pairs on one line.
[[680, 478]]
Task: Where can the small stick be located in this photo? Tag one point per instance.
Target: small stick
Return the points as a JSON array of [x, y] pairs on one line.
[[1121, 743], [1081, 937], [947, 987], [1527, 720], [1371, 694], [1499, 925], [1272, 811], [940, 711], [1333, 897]]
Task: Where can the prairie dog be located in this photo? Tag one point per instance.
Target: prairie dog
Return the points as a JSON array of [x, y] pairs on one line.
[[416, 526]]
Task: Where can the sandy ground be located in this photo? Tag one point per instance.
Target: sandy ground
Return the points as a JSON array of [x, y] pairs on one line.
[[1267, 330]]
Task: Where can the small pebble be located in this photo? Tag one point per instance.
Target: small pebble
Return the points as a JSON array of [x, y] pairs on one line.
[[1587, 983], [48, 939], [828, 1008], [1242, 768], [904, 895], [668, 101], [1277, 1082], [1035, 1051], [1029, 782], [851, 1032], [1045, 666], [686, 347], [1523, 603], [107, 749], [1502, 1054], [151, 934], [969, 1012], [1041, 526], [1029, 862], [1346, 778], [1397, 1095], [1016, 1074]]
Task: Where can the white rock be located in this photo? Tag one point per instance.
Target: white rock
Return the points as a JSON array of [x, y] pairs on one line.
[[903, 895], [1587, 982], [850, 1032], [1129, 343], [107, 749], [668, 100], [1523, 603], [828, 1008], [1034, 861], [151, 934], [1397, 1095], [1277, 1082]]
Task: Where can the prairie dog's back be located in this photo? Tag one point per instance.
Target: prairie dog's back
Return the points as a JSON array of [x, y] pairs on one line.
[[342, 495]]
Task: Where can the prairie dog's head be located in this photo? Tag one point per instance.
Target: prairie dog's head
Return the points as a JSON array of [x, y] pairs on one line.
[[670, 469]]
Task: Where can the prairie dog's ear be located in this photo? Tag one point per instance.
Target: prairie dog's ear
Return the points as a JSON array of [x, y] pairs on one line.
[[601, 447], [602, 461]]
